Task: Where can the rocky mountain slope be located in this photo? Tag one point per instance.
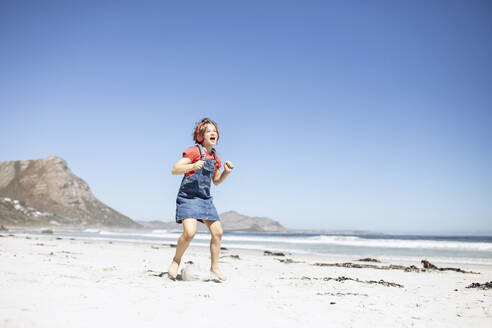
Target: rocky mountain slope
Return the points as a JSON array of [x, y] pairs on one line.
[[47, 191], [231, 221]]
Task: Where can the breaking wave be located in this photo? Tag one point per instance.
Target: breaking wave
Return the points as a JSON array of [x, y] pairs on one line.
[[319, 240]]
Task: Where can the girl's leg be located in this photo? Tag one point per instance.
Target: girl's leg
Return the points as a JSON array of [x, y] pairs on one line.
[[189, 230], [216, 231]]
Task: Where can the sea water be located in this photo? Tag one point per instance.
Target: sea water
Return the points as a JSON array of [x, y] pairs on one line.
[[462, 249]]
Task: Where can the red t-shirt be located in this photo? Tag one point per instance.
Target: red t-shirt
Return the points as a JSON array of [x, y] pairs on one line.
[[193, 153]]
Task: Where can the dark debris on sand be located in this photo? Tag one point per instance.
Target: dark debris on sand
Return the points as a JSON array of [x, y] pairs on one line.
[[164, 274], [268, 253], [371, 266], [289, 261], [368, 259], [232, 255], [427, 266], [341, 294], [486, 285], [342, 279]]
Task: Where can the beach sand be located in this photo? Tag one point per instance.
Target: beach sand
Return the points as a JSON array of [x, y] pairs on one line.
[[46, 281]]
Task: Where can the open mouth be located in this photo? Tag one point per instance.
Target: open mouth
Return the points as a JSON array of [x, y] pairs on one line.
[[212, 138]]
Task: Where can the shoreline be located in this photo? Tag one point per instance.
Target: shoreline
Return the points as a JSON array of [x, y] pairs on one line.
[[289, 231], [201, 242]]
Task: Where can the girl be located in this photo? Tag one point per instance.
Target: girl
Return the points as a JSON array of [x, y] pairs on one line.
[[200, 165]]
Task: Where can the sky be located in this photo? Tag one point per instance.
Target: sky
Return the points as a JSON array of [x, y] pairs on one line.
[[367, 115]]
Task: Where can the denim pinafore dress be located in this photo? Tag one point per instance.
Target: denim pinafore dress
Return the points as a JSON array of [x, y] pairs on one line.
[[194, 200]]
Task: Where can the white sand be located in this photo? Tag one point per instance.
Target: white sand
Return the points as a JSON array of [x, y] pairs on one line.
[[46, 282]]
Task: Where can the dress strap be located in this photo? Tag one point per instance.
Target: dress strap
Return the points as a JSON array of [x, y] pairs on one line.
[[202, 152], [216, 154]]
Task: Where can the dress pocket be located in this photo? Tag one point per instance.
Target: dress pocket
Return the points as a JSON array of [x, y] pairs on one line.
[[190, 186]]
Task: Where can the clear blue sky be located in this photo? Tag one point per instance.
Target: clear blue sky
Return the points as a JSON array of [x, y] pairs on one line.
[[338, 115]]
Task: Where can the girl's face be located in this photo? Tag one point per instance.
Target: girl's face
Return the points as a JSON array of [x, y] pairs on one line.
[[210, 136]]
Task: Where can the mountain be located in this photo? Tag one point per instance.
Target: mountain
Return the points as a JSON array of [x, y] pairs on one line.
[[45, 191], [16, 213], [231, 221]]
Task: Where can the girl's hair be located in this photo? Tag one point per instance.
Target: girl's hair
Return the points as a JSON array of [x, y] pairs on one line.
[[203, 126]]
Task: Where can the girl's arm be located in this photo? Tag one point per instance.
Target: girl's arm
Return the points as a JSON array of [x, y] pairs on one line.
[[219, 177], [184, 165]]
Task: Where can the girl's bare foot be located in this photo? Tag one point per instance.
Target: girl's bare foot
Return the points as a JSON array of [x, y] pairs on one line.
[[216, 272], [173, 269]]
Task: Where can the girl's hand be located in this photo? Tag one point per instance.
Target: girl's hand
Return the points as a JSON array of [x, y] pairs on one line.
[[228, 166], [198, 165]]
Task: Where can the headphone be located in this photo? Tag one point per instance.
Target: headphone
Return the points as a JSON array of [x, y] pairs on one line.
[[199, 137]]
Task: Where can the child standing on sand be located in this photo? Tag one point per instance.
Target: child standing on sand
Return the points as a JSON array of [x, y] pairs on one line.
[[200, 165]]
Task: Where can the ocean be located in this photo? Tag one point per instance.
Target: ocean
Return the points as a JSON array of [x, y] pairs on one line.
[[458, 249]]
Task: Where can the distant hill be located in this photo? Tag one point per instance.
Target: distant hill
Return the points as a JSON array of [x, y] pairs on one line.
[[231, 221], [45, 191]]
